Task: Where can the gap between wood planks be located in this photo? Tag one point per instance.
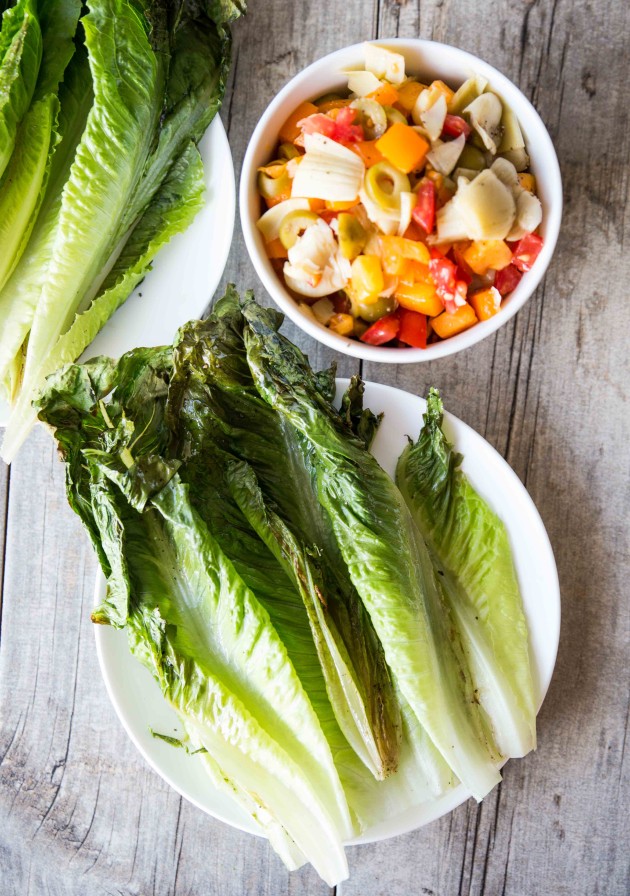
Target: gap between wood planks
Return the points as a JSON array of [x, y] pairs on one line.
[[4, 515]]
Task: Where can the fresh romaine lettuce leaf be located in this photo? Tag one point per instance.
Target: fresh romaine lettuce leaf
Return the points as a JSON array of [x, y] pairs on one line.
[[471, 550], [388, 561], [172, 210], [58, 20], [24, 181], [118, 135], [19, 297], [20, 58]]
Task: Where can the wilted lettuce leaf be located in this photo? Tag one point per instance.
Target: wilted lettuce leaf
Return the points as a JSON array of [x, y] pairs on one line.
[[191, 618], [374, 531], [214, 398], [158, 432], [470, 547]]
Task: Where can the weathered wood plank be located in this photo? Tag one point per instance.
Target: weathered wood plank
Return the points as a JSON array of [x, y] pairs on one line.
[[5, 477], [79, 810]]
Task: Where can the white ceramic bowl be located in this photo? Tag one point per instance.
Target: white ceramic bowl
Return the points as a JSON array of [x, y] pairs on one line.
[[428, 61]]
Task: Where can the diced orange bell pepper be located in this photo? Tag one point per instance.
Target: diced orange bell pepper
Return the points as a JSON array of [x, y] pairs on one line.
[[367, 152], [527, 181], [403, 147], [458, 250], [420, 297], [275, 249], [447, 324], [408, 93], [290, 130], [317, 205], [484, 255], [276, 200], [414, 272], [437, 89], [396, 247], [386, 94], [486, 302]]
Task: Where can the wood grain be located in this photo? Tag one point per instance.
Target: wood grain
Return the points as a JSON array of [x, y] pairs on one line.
[[5, 479], [81, 813]]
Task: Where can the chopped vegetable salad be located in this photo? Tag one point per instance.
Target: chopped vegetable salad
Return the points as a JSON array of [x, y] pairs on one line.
[[401, 213]]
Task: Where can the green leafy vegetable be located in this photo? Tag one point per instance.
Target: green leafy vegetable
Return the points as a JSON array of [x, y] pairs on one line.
[[125, 177], [21, 188], [213, 396], [321, 657], [20, 58], [470, 547], [374, 531]]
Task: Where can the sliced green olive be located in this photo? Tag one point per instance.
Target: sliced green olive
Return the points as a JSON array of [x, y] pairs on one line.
[[328, 98], [288, 151], [394, 116], [384, 183], [372, 117], [294, 224], [352, 236], [471, 157], [374, 311]]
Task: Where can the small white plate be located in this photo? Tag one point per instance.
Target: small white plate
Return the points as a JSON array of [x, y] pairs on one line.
[[185, 273], [138, 700]]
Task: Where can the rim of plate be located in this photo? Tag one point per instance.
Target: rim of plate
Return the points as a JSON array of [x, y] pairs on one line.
[[377, 397]]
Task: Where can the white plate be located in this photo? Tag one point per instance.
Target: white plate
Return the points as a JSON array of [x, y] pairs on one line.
[[138, 700], [185, 273]]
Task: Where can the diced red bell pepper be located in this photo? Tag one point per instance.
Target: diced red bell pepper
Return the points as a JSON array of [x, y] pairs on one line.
[[451, 289], [413, 328], [463, 275], [340, 128], [384, 330], [507, 279], [442, 271], [527, 251], [424, 212], [454, 126]]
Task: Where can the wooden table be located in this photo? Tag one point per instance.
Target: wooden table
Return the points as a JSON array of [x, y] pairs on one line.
[[80, 812]]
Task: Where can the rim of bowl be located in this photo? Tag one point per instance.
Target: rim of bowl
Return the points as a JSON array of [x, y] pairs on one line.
[[536, 136]]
